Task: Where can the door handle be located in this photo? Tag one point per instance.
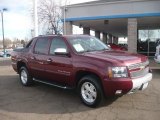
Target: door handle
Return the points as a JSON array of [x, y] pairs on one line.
[[49, 60]]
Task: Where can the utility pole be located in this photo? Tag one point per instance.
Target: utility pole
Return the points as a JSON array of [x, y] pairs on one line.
[[64, 17]]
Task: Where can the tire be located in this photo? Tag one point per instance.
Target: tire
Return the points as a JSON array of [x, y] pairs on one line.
[[25, 78], [90, 91]]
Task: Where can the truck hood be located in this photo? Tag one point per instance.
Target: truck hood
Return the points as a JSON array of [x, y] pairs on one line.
[[117, 57]]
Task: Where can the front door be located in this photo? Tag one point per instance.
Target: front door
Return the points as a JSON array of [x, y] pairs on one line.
[[59, 67]]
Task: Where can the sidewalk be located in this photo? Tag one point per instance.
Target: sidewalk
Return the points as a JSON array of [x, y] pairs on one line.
[[5, 61]]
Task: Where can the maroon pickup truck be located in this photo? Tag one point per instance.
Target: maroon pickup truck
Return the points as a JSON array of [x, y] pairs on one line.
[[82, 62]]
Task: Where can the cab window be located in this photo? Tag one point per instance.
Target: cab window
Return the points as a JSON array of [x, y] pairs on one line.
[[41, 46], [57, 43]]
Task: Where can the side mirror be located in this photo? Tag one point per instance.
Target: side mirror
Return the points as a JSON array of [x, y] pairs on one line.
[[61, 51]]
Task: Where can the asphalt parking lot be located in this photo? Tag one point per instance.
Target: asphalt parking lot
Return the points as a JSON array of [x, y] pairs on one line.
[[42, 102]]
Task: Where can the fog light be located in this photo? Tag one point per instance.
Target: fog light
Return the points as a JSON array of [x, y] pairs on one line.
[[118, 92]]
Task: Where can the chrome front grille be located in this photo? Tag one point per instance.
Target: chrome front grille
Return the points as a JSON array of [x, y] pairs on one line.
[[142, 69], [138, 65], [140, 73]]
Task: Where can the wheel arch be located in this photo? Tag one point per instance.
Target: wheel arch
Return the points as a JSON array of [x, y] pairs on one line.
[[81, 73], [21, 63]]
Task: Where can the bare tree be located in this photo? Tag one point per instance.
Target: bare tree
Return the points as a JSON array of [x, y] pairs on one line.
[[16, 41], [49, 15], [7, 43]]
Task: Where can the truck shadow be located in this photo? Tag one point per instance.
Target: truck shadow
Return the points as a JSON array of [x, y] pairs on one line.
[[39, 98]]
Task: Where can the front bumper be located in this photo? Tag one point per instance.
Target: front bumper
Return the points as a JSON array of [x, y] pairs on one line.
[[125, 85], [141, 83]]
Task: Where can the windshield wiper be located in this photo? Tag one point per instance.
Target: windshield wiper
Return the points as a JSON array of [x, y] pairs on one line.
[[93, 50], [87, 51]]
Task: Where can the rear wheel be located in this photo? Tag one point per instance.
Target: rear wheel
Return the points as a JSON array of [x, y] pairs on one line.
[[90, 91], [25, 78]]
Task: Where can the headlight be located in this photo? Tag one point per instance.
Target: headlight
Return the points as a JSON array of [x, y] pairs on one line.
[[118, 72]]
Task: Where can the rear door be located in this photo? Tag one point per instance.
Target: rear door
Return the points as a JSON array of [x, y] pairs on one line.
[[38, 57], [60, 68]]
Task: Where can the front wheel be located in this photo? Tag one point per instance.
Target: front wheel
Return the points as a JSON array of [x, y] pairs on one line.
[[25, 78], [90, 91]]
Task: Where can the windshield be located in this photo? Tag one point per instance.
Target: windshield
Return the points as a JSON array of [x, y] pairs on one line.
[[87, 44]]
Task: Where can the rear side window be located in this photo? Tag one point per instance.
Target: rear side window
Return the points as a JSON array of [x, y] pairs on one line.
[[57, 43], [41, 46]]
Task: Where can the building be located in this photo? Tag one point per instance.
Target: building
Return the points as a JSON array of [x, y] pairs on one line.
[[138, 20]]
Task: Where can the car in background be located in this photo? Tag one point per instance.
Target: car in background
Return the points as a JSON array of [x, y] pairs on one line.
[[7, 52], [1, 53], [117, 47], [157, 54]]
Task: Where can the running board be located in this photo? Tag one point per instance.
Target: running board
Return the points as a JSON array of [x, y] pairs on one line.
[[52, 84]]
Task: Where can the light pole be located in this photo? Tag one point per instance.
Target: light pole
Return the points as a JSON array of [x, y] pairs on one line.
[[4, 9], [64, 18], [35, 19]]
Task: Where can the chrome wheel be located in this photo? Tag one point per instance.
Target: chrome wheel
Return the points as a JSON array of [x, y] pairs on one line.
[[88, 92], [24, 77]]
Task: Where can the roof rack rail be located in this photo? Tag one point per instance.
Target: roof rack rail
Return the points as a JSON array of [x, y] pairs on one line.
[[51, 35]]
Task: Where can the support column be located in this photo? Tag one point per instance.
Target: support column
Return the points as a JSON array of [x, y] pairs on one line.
[[105, 37], [69, 29], [86, 30], [132, 35], [115, 40], [110, 39], [97, 34]]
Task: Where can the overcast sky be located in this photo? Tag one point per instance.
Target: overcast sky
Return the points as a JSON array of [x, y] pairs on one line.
[[17, 20]]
